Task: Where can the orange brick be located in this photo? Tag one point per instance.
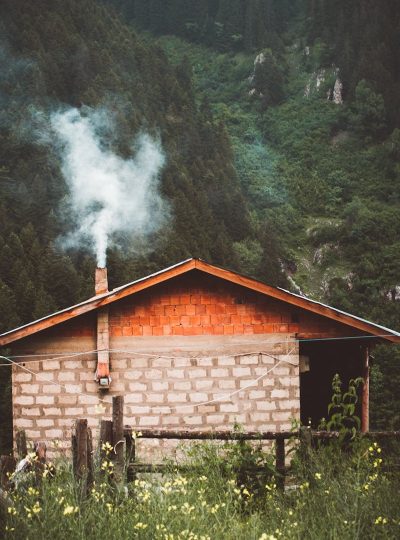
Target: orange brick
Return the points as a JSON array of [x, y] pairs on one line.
[[190, 309], [218, 330], [134, 320], [158, 331], [195, 298], [170, 311], [164, 319], [177, 331], [214, 319], [115, 321], [180, 310], [228, 329], [165, 300], [195, 321], [258, 328], [159, 310], [220, 308], [205, 319], [185, 320], [127, 330], [144, 321], [236, 319], [174, 321], [147, 331], [137, 330], [248, 329], [184, 299], [175, 300], [200, 309], [125, 321], [116, 331], [231, 308], [167, 330], [155, 321], [211, 309], [238, 329], [189, 331], [246, 319], [284, 328], [269, 328], [207, 329]]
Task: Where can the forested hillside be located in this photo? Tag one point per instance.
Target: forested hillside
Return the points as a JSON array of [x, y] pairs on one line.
[[80, 54], [280, 124]]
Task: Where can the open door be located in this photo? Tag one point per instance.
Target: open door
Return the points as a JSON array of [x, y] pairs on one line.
[[319, 362]]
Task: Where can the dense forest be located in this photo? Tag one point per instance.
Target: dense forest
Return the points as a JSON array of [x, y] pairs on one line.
[[280, 124]]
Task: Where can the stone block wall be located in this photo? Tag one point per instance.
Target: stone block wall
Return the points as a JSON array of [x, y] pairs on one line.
[[165, 390]]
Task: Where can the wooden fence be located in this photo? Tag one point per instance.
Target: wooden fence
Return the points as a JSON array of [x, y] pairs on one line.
[[122, 442]]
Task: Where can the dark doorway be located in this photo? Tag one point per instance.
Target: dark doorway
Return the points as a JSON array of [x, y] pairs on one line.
[[324, 359], [6, 426]]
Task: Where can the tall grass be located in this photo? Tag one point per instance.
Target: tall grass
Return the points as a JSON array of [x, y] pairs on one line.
[[330, 494]]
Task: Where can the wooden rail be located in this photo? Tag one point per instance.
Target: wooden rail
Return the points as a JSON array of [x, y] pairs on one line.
[[226, 435], [122, 441], [306, 436]]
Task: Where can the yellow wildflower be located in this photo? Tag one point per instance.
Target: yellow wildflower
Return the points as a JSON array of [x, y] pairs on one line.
[[68, 510]]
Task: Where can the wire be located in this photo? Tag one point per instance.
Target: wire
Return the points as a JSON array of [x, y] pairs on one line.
[[62, 356], [225, 396], [44, 379], [177, 407]]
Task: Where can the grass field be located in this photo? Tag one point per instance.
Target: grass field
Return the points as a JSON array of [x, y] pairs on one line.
[[330, 493]]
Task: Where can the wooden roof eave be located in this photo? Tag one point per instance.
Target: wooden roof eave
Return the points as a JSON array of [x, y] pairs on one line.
[[182, 268]]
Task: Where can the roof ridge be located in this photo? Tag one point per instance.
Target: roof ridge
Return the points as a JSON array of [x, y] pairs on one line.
[[177, 269]]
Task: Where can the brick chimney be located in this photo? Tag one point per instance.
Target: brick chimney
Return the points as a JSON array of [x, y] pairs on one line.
[[103, 335], [101, 281]]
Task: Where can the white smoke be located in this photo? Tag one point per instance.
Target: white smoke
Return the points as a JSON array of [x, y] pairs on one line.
[[109, 194]]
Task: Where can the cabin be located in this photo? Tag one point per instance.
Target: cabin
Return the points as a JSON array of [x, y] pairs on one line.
[[194, 346]]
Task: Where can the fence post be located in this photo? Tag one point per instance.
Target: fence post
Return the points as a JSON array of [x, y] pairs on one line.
[[81, 445], [106, 436], [20, 440], [74, 455], [89, 445], [118, 436], [130, 452], [280, 461], [7, 467]]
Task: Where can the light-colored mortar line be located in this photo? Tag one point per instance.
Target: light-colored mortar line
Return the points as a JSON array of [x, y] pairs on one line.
[[177, 407]]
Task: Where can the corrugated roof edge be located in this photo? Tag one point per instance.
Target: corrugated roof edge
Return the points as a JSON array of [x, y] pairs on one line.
[[99, 298], [340, 311]]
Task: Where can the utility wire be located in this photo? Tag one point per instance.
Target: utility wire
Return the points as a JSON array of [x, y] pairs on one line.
[[62, 356], [224, 397]]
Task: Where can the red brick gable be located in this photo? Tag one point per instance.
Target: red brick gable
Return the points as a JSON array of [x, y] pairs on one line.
[[317, 319], [199, 305]]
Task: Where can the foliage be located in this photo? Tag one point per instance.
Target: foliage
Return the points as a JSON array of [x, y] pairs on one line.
[[287, 179], [342, 410], [334, 495]]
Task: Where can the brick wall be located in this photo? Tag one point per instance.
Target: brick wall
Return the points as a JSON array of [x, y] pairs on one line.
[[185, 308], [188, 341], [164, 392]]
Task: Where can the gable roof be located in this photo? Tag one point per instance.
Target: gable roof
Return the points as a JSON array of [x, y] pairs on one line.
[[182, 268]]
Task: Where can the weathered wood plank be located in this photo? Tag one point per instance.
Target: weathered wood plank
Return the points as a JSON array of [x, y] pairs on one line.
[[118, 435], [20, 441]]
